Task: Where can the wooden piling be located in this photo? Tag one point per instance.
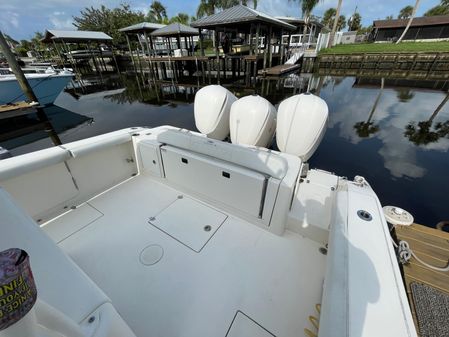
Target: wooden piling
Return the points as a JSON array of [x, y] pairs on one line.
[[25, 86]]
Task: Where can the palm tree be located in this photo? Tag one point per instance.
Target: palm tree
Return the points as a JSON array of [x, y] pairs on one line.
[[206, 7], [334, 27], [365, 129], [181, 18], [409, 22], [158, 12], [307, 7], [406, 12]]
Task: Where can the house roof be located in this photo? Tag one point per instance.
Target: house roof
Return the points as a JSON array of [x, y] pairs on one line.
[[420, 21], [175, 29], [239, 14], [74, 36], [142, 27]]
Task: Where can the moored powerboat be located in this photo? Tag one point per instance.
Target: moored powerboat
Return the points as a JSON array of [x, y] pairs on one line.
[[170, 232], [46, 85]]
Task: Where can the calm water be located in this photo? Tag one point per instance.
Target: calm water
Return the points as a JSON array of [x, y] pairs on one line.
[[395, 135]]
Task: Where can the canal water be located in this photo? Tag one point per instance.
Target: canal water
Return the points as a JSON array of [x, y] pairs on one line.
[[395, 133]]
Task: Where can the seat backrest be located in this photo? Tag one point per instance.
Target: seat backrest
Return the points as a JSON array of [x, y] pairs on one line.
[[257, 159], [268, 177], [47, 182]]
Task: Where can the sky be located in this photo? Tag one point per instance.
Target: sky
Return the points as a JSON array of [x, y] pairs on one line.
[[22, 18]]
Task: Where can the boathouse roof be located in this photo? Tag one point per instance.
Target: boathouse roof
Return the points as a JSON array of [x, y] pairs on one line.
[[74, 36], [175, 29], [420, 21], [240, 15], [298, 21], [142, 27]]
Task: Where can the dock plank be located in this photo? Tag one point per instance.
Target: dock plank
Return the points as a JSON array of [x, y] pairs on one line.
[[280, 69], [431, 246], [16, 109]]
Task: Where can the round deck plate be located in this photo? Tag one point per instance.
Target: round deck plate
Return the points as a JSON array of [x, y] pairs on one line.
[[151, 254]]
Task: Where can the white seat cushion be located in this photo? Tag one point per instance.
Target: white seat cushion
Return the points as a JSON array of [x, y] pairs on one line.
[[60, 282]]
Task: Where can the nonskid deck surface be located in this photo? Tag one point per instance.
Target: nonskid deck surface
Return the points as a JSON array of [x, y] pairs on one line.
[[236, 278]]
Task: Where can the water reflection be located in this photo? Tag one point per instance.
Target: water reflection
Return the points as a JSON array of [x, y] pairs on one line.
[[393, 132], [423, 132], [367, 128]]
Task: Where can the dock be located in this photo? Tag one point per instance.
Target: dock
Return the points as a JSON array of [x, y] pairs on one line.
[[279, 69], [16, 109], [432, 246]]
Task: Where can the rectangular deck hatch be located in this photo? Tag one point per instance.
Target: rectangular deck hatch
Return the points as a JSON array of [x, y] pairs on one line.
[[190, 222], [244, 326]]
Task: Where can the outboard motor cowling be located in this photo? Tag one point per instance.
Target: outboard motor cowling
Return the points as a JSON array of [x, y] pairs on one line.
[[252, 121], [211, 109], [301, 124]]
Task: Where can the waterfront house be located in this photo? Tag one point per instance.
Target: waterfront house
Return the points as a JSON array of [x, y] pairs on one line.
[[426, 28]]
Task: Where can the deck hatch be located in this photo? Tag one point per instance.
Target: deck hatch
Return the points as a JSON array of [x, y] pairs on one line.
[[243, 326], [188, 221]]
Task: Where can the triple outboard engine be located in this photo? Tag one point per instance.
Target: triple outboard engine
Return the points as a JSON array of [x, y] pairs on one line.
[[253, 121], [211, 109], [301, 124]]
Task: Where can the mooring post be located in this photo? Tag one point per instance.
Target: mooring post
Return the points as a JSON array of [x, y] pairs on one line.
[[131, 53], [25, 86], [217, 54]]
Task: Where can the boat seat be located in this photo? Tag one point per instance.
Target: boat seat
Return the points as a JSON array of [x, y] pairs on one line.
[[257, 159], [60, 282], [94, 144], [280, 170], [16, 166]]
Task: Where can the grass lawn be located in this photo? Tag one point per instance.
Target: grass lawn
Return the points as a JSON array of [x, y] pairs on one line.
[[404, 47]]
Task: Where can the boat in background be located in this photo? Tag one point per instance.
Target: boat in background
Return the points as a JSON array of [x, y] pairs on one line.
[[47, 84]]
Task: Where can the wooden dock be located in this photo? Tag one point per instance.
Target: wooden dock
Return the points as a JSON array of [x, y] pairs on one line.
[[177, 58], [279, 70], [16, 109], [432, 246]]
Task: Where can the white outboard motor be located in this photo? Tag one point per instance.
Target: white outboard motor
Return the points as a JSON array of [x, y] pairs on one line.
[[211, 109], [301, 124], [253, 121]]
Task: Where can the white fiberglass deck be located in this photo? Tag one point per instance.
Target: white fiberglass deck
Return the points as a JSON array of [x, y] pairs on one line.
[[238, 274]]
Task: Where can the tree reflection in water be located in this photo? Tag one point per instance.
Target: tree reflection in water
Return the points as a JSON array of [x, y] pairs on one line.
[[367, 128], [422, 133]]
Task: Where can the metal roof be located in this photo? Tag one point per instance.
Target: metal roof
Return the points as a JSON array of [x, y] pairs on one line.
[[142, 27], [295, 21], [175, 29], [74, 36], [239, 14], [420, 21]]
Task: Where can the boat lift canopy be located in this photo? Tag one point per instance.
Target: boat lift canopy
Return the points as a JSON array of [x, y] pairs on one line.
[[76, 36]]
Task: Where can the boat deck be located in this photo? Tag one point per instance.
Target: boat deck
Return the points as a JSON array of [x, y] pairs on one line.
[[234, 279], [432, 246]]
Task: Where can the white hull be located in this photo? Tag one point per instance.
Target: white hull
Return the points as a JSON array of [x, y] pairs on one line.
[[46, 87], [195, 237]]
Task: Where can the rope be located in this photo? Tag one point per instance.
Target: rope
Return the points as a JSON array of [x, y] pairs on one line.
[[405, 254], [315, 322]]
